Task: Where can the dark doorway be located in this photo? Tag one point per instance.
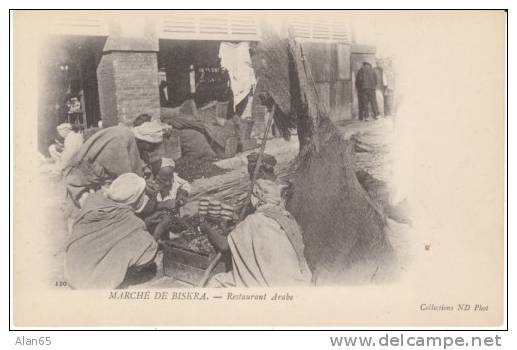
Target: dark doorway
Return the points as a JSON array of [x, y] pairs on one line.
[[68, 90]]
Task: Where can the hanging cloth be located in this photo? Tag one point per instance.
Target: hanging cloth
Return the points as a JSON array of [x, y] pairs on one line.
[[236, 59]]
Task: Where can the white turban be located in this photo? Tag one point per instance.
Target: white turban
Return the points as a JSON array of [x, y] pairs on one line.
[[126, 189], [267, 192], [149, 131], [63, 127], [167, 162]]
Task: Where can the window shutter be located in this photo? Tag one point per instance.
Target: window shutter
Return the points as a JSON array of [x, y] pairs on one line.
[[321, 29], [220, 26], [179, 24]]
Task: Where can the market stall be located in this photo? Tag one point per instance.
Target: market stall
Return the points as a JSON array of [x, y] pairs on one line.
[[206, 94]]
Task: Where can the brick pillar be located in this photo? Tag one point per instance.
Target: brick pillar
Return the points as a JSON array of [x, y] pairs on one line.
[[128, 80]]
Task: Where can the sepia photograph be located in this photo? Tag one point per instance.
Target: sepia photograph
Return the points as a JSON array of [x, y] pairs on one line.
[[316, 168]]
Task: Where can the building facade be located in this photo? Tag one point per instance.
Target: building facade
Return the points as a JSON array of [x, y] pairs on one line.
[[116, 66]]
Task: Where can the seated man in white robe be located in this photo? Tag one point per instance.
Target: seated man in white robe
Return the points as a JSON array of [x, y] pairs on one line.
[[61, 154], [266, 248]]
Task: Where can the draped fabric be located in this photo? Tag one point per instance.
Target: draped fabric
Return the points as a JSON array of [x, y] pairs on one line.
[[267, 250], [236, 59], [107, 238], [105, 155], [72, 144]]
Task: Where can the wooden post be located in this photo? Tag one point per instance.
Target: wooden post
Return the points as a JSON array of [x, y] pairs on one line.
[[218, 257]]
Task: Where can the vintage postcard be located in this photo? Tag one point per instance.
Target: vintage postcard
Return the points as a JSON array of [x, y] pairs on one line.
[[259, 168]]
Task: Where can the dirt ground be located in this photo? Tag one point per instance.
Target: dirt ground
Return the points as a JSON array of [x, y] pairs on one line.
[[372, 155]]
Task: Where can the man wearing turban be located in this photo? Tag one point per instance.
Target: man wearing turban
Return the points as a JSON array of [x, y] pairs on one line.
[[108, 241], [62, 154], [267, 167], [266, 248], [168, 184], [108, 153]]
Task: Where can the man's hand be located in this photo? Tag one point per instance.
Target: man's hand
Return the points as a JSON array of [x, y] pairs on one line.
[[152, 188], [205, 227], [162, 227], [215, 237], [154, 218], [181, 197]]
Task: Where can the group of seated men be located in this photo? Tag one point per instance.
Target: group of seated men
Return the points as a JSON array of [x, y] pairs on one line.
[[116, 187]]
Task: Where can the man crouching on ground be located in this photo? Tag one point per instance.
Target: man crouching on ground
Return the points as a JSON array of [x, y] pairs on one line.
[[266, 248]]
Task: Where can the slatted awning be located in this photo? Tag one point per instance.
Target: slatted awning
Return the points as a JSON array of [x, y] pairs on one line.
[[321, 28], [224, 26], [214, 25]]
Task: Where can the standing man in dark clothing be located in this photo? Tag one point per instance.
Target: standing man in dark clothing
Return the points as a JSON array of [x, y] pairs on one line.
[[366, 82]]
